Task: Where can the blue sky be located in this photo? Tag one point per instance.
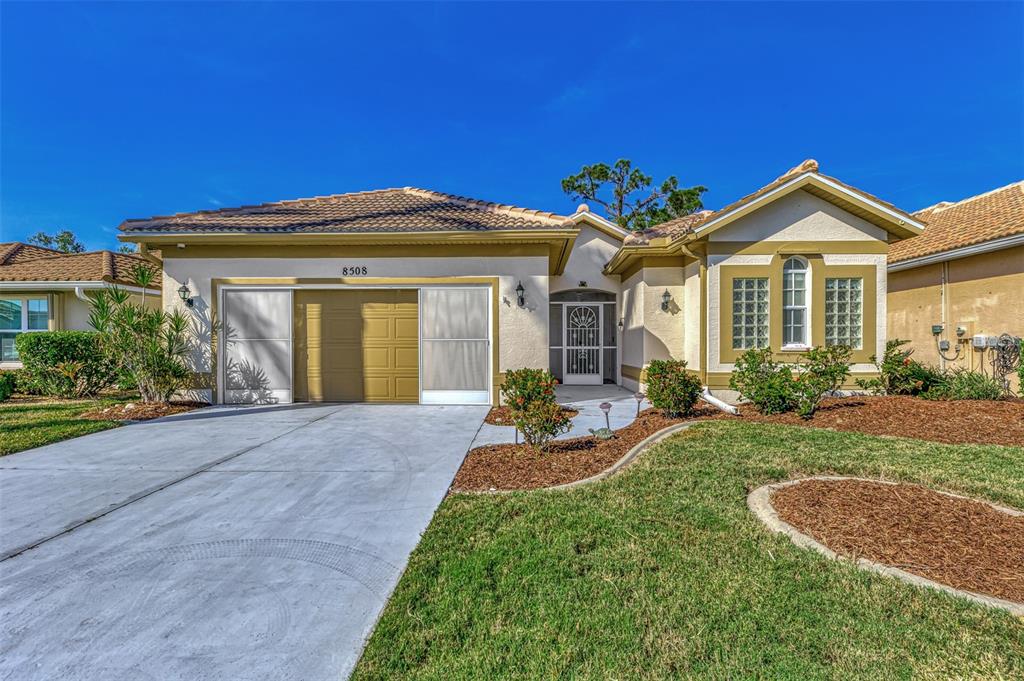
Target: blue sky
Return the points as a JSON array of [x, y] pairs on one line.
[[111, 111]]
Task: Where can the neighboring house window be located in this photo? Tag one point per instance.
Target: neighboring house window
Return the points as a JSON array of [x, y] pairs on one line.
[[749, 313], [844, 312], [794, 302], [18, 315]]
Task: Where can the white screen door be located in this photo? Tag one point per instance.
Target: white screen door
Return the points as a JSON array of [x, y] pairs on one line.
[[582, 345]]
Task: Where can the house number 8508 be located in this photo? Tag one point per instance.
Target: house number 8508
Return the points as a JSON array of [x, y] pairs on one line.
[[353, 271]]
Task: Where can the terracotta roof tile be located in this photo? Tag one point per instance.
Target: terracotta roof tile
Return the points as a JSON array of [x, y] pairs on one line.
[[975, 220], [385, 210], [16, 251], [115, 268]]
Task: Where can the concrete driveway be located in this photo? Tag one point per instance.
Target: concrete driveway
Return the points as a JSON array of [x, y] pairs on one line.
[[230, 543]]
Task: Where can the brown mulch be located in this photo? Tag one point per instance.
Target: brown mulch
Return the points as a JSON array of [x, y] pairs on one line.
[[141, 411], [521, 467], [950, 422], [502, 416], [517, 467], [959, 542]]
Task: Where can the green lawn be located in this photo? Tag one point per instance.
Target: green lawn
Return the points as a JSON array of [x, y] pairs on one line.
[[24, 425], [661, 572]]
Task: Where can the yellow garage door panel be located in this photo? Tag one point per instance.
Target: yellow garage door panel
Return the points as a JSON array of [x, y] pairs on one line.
[[357, 346]]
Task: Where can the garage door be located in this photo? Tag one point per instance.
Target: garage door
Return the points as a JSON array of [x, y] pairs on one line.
[[356, 345]]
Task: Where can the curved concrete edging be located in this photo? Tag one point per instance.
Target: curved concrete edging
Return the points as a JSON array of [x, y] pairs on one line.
[[759, 502], [626, 459]]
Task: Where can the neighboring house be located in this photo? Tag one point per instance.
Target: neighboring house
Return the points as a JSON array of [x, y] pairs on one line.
[[44, 290], [966, 271], [406, 295]]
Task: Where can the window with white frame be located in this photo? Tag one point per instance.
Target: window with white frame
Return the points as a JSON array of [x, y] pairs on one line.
[[19, 315], [749, 313], [844, 312], [794, 302]]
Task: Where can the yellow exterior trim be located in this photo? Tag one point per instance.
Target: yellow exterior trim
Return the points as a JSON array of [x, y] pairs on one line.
[[819, 272], [363, 251], [558, 242], [719, 380], [638, 264], [873, 247], [356, 282], [632, 372]]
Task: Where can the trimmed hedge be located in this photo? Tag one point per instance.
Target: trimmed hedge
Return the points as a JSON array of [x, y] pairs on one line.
[[8, 379], [670, 388], [68, 364]]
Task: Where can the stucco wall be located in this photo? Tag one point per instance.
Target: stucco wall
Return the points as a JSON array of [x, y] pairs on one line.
[[984, 293], [650, 332], [523, 332], [586, 263], [799, 217]]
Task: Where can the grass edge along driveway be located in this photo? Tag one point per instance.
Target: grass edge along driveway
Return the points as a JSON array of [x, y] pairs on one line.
[[28, 424], [661, 571]]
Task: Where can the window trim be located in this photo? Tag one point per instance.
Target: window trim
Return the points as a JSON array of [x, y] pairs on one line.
[[825, 301], [806, 307], [768, 311], [24, 299]]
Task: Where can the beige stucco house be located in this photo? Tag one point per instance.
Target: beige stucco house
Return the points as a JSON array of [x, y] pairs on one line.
[[410, 295], [45, 290], [962, 278]]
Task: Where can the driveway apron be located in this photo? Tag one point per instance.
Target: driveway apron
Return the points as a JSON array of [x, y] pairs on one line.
[[257, 543]]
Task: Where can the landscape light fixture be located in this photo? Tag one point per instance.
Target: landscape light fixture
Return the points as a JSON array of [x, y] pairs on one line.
[[183, 293], [639, 397], [521, 295], [666, 298], [606, 407]]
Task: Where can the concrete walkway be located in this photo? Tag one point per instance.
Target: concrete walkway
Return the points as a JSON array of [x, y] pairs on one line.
[[584, 398], [230, 543]]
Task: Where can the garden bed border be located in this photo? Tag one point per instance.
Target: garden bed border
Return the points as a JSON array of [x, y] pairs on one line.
[[759, 503]]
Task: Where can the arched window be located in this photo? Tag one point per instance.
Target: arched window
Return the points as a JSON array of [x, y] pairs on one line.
[[794, 302]]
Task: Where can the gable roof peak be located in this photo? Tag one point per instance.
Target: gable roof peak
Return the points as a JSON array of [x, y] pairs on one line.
[[808, 166]]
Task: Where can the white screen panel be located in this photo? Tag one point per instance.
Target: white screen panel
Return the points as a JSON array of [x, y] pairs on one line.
[[455, 342], [257, 356], [454, 313]]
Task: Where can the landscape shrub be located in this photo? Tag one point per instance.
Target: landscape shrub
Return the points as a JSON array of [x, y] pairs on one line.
[[67, 364], [524, 386], [148, 346], [766, 383], [898, 374], [822, 372], [670, 388], [530, 397], [961, 384], [7, 384], [540, 422]]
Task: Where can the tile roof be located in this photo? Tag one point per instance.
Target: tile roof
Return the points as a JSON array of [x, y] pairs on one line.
[[689, 223], [384, 210], [16, 251], [975, 220], [107, 266]]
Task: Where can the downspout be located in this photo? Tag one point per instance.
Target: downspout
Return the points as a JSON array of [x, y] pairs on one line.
[[80, 294], [943, 278]]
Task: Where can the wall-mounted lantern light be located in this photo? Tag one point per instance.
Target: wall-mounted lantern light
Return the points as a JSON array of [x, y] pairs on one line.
[[622, 323], [521, 295], [666, 298], [183, 293]]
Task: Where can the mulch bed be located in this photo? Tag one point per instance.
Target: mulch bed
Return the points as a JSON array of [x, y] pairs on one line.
[[517, 467], [141, 411], [508, 467], [501, 416], [958, 542]]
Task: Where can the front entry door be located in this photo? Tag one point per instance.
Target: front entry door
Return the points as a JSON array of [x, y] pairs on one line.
[[582, 345]]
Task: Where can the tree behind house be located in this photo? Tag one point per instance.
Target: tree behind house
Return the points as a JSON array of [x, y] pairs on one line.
[[632, 204], [64, 241]]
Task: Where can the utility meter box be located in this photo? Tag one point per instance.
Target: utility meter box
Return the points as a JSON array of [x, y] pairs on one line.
[[979, 341]]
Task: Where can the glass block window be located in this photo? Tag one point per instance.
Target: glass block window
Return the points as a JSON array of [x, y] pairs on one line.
[[794, 302], [844, 312], [749, 313]]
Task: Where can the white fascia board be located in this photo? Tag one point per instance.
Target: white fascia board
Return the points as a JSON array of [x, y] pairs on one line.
[[70, 286], [584, 216], [799, 179], [957, 253]]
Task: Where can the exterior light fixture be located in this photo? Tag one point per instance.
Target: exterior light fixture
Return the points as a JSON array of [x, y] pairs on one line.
[[622, 324], [183, 293], [639, 397], [606, 407], [666, 298], [521, 295]]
